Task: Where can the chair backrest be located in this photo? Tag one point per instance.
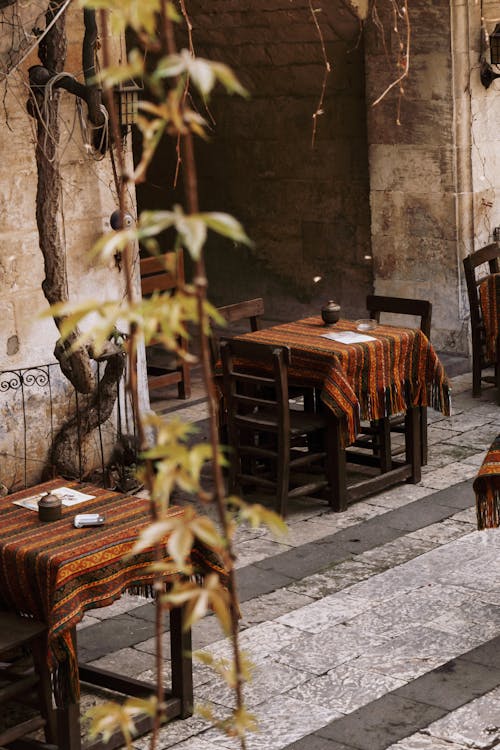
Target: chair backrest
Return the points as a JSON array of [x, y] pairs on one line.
[[255, 376], [252, 309], [161, 272], [249, 309], [418, 308], [474, 275]]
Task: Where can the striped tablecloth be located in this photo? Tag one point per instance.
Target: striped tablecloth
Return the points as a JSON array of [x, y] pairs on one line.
[[489, 298], [397, 369], [55, 572], [487, 489]]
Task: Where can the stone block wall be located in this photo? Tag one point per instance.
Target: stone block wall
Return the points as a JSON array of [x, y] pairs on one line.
[[434, 190], [305, 207], [485, 130]]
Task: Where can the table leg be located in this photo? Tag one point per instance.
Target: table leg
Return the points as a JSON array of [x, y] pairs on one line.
[[68, 727], [178, 701], [68, 720], [413, 443], [336, 465], [181, 661]]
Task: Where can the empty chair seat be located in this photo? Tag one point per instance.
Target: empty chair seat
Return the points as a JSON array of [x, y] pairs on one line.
[[273, 447], [477, 267], [417, 310], [158, 275], [24, 686]]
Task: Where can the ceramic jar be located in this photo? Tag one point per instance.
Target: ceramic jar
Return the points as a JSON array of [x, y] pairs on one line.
[[49, 507], [330, 313]]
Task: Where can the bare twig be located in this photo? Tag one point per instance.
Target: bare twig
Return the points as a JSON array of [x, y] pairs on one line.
[[319, 109], [406, 57]]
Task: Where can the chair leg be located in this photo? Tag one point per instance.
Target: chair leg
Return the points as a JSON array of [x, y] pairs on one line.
[[39, 649], [283, 475], [309, 399], [497, 369], [423, 435], [184, 387], [476, 373]]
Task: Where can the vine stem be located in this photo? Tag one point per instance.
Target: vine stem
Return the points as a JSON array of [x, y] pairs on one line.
[[133, 387], [326, 73], [200, 281], [406, 68]]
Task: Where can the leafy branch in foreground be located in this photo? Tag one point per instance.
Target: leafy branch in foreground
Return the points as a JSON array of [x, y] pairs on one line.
[[173, 461]]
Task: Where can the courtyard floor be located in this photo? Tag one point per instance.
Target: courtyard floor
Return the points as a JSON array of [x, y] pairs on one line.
[[375, 628]]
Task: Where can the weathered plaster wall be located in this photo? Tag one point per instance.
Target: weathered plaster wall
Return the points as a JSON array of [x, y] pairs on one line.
[[27, 340], [485, 130], [434, 191], [306, 208]]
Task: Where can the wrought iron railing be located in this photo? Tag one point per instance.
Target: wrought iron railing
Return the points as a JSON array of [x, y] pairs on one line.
[[34, 404]]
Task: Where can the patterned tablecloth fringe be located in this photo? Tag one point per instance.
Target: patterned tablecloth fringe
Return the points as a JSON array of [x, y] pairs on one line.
[[487, 489], [488, 509]]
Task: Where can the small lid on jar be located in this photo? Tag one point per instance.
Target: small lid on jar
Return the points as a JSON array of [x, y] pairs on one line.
[[331, 305], [50, 501]]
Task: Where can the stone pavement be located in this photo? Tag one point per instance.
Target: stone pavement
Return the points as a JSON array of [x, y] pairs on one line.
[[375, 628]]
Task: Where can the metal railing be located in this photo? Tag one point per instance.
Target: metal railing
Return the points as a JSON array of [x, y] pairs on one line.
[[35, 402]]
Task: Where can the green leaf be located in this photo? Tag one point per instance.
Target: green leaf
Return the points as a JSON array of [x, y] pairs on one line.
[[152, 223], [113, 242], [116, 74], [108, 717], [227, 226], [228, 79], [151, 535], [179, 544], [170, 66], [193, 232], [202, 75], [173, 14]]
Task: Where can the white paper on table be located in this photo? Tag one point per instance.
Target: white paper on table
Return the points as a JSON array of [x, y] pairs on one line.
[[68, 496], [348, 337]]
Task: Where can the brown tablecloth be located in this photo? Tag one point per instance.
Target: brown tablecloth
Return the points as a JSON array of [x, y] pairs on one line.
[[489, 298], [55, 572], [397, 369], [487, 489]]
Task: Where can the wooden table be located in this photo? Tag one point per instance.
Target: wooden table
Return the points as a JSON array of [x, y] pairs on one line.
[[396, 371], [56, 573]]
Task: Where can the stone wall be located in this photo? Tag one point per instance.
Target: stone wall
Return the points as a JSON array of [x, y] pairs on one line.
[[485, 130], [305, 207], [26, 339], [434, 186]]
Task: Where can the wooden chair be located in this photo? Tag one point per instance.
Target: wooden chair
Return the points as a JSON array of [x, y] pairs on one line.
[[156, 277], [421, 310], [19, 685], [264, 433], [474, 275], [250, 310]]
